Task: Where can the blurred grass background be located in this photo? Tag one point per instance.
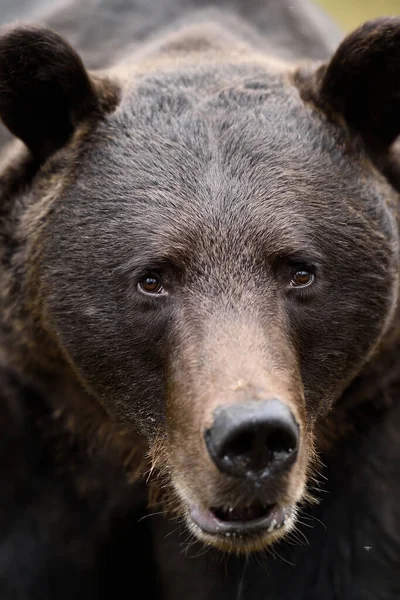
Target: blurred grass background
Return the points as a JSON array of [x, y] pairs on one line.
[[350, 13]]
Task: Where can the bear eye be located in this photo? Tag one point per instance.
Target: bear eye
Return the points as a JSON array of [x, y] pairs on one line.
[[151, 285], [302, 278]]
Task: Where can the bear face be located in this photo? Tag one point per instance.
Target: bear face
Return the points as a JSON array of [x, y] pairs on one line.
[[216, 263]]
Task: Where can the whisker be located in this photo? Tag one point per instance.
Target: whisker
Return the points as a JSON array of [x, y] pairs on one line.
[[275, 552], [161, 512], [301, 536], [201, 553], [312, 518], [171, 532], [150, 472], [241, 582], [300, 522]]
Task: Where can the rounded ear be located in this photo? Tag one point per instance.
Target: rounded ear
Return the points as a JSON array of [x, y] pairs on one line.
[[362, 82], [44, 88]]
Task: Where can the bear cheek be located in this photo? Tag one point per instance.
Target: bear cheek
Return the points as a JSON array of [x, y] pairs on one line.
[[332, 356]]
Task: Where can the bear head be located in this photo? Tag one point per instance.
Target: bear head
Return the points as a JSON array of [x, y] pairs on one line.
[[210, 244]]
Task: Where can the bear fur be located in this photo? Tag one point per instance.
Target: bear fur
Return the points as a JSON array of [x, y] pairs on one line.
[[70, 522], [179, 164]]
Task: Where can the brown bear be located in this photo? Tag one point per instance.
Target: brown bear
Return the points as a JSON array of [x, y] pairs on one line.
[[199, 263]]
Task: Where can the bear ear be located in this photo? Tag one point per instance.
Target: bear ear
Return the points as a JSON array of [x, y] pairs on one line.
[[362, 82], [44, 88]]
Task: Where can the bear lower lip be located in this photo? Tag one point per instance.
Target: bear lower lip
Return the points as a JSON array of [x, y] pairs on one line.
[[240, 520]]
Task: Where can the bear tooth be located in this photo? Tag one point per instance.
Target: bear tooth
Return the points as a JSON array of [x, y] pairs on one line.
[[272, 526]]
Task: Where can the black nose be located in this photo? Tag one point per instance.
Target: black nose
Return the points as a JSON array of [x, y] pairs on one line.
[[252, 438]]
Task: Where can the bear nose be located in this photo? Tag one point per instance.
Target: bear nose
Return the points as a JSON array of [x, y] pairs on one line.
[[253, 439]]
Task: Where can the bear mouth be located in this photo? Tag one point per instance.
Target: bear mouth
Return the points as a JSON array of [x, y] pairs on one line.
[[238, 520]]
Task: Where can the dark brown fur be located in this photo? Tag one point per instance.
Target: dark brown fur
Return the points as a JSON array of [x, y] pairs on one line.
[[69, 519], [221, 170]]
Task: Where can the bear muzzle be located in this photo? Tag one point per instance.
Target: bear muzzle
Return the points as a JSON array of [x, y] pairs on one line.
[[256, 442]]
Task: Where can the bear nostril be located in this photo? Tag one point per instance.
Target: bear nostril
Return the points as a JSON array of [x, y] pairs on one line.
[[281, 442], [242, 444], [248, 439]]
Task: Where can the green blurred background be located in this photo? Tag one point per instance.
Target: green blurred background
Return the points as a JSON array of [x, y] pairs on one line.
[[350, 13]]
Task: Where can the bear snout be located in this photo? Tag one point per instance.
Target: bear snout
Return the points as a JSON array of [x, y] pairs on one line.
[[238, 444], [253, 440]]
